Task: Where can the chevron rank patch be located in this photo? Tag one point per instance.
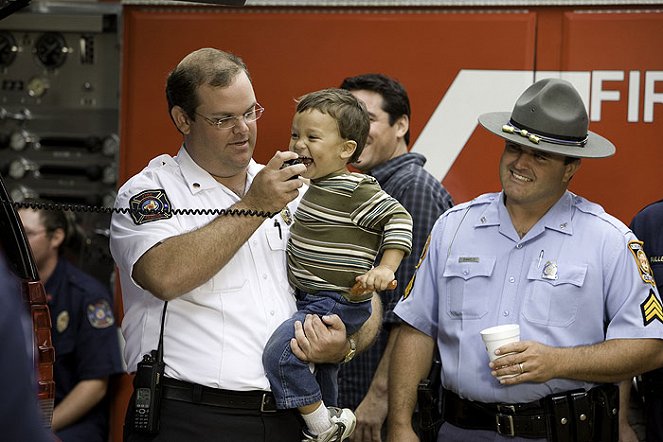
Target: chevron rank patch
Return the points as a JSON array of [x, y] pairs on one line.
[[642, 262], [150, 205], [100, 314], [651, 309], [410, 284]]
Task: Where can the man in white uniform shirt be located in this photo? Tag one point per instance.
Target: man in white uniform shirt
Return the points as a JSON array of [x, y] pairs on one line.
[[223, 274]]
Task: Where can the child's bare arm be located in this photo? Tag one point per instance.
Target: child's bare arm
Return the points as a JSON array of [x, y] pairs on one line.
[[381, 277]]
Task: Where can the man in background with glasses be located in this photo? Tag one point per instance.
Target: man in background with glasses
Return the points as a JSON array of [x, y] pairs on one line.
[[83, 329], [223, 275]]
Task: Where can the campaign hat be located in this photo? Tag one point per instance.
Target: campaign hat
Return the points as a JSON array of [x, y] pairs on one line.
[[550, 116]]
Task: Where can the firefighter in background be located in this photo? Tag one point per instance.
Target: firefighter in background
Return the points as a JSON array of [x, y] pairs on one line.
[[84, 335]]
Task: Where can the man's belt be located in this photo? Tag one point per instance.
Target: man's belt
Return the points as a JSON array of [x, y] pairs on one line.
[[521, 420], [261, 401]]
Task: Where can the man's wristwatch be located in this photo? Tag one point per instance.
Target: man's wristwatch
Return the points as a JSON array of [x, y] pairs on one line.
[[353, 350]]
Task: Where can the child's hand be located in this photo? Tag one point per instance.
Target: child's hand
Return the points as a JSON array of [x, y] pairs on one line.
[[377, 279]]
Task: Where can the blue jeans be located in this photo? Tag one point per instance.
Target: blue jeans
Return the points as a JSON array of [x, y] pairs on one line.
[[291, 380]]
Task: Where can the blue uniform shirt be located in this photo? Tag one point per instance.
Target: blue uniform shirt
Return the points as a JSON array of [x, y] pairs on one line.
[[86, 343], [572, 280], [648, 226]]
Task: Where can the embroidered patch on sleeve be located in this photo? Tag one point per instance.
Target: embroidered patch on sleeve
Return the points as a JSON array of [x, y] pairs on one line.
[[651, 309], [410, 284], [150, 205], [642, 262], [100, 314]]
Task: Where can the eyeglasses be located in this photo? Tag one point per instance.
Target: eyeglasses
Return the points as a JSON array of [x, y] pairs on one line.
[[232, 121], [33, 233]]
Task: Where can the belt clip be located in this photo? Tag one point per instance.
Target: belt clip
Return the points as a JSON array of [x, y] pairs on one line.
[[508, 422], [266, 405]]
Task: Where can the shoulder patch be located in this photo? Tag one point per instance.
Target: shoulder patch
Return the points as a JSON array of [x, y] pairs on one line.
[[150, 205], [642, 262], [651, 309], [410, 284], [100, 314]]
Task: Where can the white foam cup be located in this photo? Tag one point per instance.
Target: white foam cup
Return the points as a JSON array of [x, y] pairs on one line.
[[495, 337]]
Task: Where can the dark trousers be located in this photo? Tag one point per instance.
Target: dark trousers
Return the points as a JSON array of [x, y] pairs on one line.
[[653, 413], [184, 422]]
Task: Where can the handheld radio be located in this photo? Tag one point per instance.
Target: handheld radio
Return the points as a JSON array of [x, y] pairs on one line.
[[147, 388]]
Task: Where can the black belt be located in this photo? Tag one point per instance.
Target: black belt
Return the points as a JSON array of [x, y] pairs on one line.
[[262, 401], [521, 420]]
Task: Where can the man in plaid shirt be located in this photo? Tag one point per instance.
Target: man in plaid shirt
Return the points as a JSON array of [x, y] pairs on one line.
[[363, 381]]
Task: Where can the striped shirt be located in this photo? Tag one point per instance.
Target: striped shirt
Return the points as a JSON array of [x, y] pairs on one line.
[[341, 224], [424, 197]]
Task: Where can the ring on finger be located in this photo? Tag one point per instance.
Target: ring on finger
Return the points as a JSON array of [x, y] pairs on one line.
[[522, 368]]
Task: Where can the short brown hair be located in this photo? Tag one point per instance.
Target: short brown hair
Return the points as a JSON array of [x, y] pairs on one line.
[[350, 114], [203, 66]]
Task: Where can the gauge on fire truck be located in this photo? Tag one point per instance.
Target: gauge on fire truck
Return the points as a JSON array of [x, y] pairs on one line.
[[51, 50], [37, 87], [8, 49]]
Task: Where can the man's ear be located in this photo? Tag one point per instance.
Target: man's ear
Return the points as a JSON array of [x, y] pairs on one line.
[[181, 119], [348, 148], [571, 169], [57, 238], [402, 126]]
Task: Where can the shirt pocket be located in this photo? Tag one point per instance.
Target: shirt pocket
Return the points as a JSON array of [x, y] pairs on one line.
[[554, 301], [277, 238], [465, 281]]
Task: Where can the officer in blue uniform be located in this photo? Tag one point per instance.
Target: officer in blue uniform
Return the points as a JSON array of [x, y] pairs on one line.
[[539, 256], [647, 225], [84, 334]]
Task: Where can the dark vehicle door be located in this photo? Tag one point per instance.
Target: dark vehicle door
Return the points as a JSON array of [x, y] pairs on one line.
[[21, 262]]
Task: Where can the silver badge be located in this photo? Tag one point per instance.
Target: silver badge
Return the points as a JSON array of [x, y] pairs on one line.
[[550, 271]]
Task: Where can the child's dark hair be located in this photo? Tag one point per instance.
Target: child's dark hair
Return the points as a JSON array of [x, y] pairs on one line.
[[350, 114]]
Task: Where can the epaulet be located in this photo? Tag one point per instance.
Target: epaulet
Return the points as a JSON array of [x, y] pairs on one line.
[[486, 198], [161, 161], [597, 210]]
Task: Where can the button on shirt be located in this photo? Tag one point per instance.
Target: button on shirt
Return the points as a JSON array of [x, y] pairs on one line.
[[215, 334], [572, 281]]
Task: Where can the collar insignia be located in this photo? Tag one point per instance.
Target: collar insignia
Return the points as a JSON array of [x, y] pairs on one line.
[[286, 216]]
